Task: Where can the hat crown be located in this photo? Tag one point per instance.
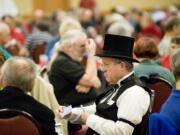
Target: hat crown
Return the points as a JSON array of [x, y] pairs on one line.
[[118, 46]]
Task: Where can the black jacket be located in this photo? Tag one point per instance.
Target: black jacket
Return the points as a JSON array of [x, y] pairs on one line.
[[15, 98]]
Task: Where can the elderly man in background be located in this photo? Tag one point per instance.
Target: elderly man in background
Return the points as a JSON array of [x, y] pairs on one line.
[[71, 81], [73, 84], [18, 76]]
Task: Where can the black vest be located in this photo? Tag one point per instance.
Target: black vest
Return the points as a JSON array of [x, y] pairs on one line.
[[108, 109]]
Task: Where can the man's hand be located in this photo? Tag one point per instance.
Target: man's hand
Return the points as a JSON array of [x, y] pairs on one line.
[[82, 88], [61, 110], [84, 117], [91, 47]]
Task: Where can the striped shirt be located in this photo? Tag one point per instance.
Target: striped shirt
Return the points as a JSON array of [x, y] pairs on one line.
[[37, 38]]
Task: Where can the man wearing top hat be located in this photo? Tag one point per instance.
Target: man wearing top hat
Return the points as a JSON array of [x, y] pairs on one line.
[[120, 109]]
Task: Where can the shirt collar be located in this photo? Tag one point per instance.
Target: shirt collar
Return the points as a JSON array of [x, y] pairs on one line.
[[126, 76], [146, 61]]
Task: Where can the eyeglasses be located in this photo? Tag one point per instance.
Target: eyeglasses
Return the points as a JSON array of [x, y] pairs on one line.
[[110, 64]]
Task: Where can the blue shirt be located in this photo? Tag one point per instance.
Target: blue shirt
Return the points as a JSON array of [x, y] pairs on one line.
[[171, 108], [50, 48]]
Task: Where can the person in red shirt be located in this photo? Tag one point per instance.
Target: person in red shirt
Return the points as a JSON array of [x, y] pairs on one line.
[[15, 32], [148, 28], [165, 60], [91, 4]]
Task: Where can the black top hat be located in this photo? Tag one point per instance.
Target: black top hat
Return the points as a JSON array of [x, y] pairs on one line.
[[117, 46]]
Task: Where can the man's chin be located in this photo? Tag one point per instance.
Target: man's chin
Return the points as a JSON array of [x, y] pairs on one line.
[[109, 82]]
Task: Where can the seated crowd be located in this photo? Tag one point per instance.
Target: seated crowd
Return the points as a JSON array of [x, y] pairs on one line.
[[95, 63]]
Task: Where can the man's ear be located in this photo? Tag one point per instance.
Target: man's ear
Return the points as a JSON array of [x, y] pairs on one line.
[[1, 80], [123, 66], [33, 83]]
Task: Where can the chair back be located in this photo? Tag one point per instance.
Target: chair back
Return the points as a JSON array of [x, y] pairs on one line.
[[82, 131], [15, 122], [38, 50], [162, 89], [161, 125], [13, 49]]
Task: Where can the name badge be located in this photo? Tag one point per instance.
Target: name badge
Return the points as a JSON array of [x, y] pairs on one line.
[[110, 102]]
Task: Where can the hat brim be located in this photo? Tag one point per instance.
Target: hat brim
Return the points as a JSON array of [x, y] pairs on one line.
[[118, 57]]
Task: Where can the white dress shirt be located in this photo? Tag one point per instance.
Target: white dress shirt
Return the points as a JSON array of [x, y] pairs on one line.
[[132, 105]]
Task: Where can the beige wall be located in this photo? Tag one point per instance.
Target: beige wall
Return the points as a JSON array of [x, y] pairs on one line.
[[108, 4], [26, 7], [51, 5]]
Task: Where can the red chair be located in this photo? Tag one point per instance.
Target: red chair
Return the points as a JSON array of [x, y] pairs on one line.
[[82, 131], [15, 122], [162, 89]]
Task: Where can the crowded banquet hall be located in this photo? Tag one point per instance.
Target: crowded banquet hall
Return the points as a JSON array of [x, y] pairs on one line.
[[109, 89]]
